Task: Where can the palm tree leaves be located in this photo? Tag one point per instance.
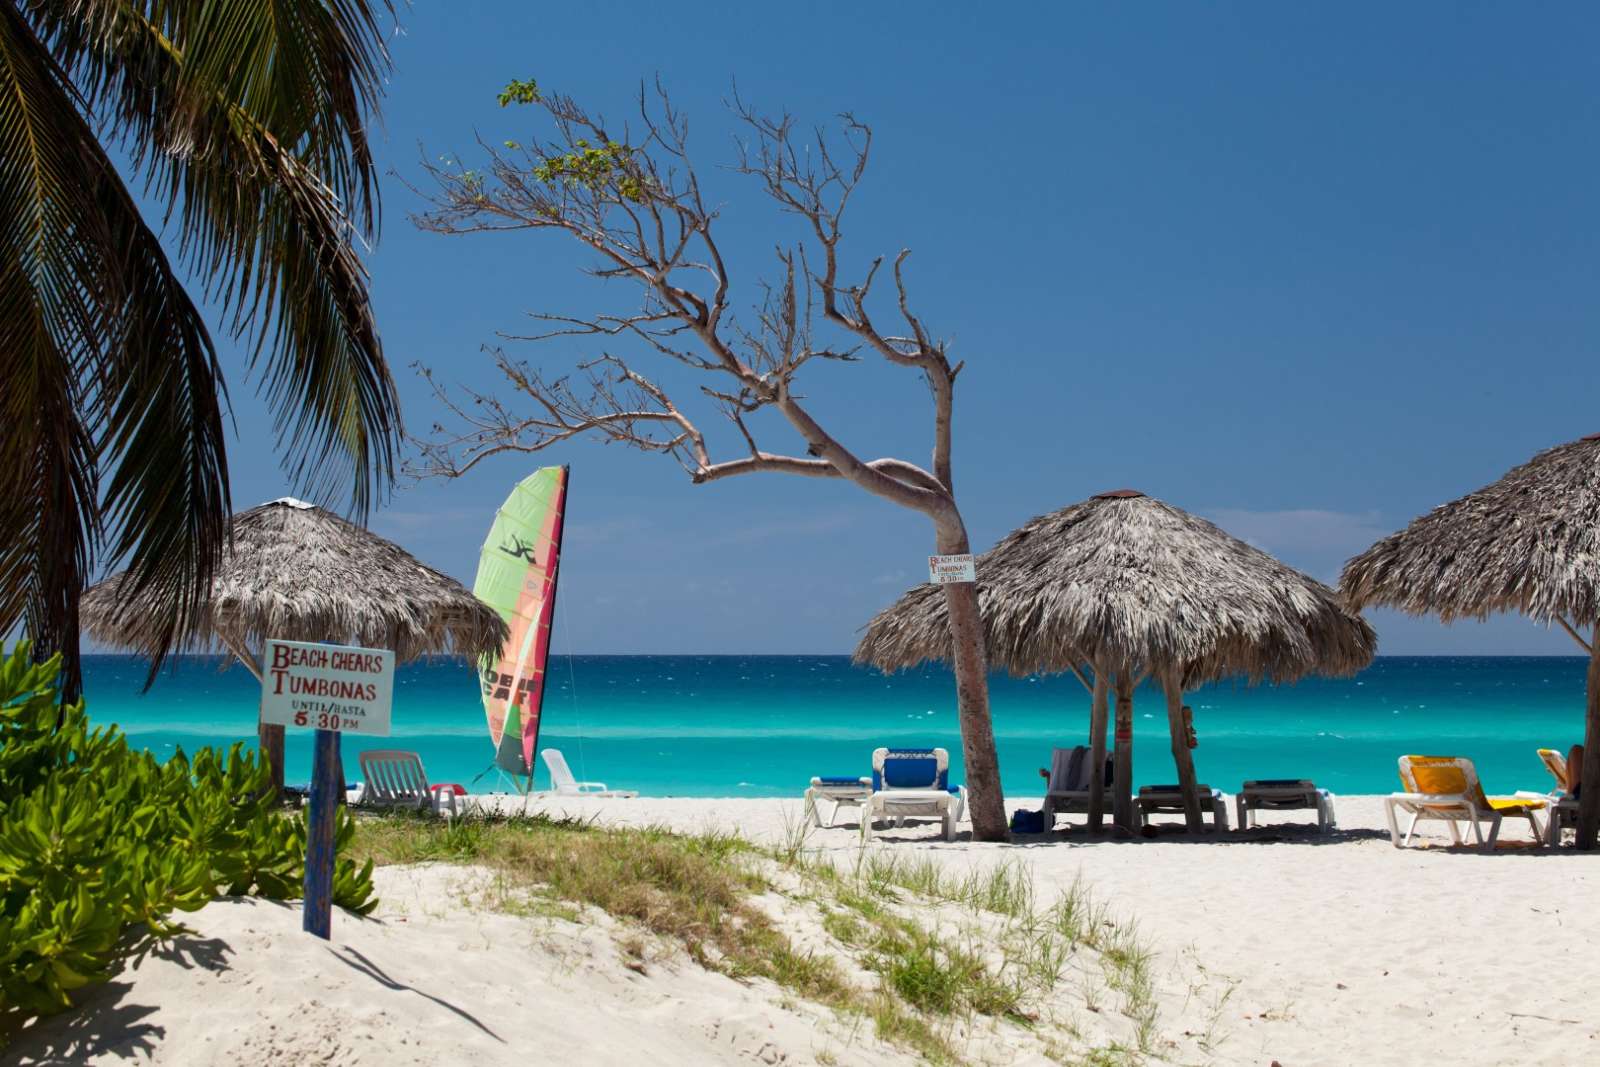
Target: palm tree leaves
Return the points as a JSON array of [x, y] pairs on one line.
[[167, 496], [247, 119], [106, 361]]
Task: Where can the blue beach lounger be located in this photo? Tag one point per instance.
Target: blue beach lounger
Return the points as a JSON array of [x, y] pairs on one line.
[[913, 783], [841, 791]]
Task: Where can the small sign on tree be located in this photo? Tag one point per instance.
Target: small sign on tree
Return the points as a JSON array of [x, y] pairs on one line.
[[331, 689], [947, 570]]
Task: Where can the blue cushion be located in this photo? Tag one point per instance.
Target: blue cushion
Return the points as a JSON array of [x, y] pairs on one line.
[[838, 779], [920, 772]]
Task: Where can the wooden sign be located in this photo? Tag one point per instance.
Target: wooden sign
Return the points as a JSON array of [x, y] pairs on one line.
[[327, 687], [332, 689]]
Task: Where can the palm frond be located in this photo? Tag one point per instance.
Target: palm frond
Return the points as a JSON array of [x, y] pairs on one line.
[[166, 502], [52, 321], [107, 364], [247, 117]]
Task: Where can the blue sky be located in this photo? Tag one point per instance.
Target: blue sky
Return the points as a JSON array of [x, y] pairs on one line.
[[1308, 270]]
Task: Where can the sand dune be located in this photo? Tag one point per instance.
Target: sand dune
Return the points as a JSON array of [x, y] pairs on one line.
[[1288, 946]]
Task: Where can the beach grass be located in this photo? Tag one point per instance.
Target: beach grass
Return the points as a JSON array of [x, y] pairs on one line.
[[950, 957]]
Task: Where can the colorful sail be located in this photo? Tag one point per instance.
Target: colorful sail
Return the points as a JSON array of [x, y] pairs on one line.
[[517, 577]]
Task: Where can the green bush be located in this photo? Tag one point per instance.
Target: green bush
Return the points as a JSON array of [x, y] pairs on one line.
[[100, 844]]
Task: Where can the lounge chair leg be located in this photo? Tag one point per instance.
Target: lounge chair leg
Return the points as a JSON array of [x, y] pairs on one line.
[[810, 811], [1394, 826]]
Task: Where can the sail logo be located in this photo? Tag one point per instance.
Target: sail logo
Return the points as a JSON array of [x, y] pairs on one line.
[[520, 549]]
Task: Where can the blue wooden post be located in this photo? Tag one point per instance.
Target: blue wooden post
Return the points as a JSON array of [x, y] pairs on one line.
[[326, 790]]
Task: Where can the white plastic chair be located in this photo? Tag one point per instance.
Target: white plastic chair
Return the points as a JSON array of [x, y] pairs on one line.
[[394, 779], [840, 792], [1068, 780], [565, 785], [1168, 800], [1285, 794], [912, 783]]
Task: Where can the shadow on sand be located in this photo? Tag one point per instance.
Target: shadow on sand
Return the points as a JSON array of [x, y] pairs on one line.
[[103, 1022]]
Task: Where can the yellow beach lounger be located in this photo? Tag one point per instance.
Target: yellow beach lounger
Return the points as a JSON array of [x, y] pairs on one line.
[[1447, 788]]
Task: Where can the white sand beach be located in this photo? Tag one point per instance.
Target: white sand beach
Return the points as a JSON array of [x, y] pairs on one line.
[[1286, 946]]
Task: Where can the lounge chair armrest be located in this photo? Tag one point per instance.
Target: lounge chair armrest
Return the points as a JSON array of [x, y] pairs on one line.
[[1431, 798], [591, 787]]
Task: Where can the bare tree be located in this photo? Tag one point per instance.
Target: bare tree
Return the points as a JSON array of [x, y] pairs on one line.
[[631, 196]]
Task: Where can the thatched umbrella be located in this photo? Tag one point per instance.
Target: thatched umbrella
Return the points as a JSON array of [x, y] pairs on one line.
[[1528, 543], [1128, 586], [300, 573]]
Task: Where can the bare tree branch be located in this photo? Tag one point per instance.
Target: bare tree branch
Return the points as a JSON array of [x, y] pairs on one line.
[[640, 207], [631, 197]]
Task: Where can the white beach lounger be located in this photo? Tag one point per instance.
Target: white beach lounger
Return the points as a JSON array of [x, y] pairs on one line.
[[565, 785], [1563, 813], [840, 792], [1284, 794], [913, 783], [1563, 808], [394, 779], [1067, 789], [1168, 800], [1556, 764], [1446, 788]]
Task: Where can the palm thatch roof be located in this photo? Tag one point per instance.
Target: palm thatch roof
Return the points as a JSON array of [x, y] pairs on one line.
[[301, 573], [1135, 584], [1528, 543]]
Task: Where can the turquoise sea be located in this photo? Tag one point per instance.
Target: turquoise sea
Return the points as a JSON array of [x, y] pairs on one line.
[[762, 725]]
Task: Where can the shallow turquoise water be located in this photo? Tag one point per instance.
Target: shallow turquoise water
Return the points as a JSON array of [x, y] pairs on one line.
[[762, 725]]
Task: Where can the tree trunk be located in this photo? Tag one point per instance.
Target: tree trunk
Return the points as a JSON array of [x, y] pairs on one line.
[[970, 660], [1181, 755], [984, 796], [1099, 712], [1589, 801], [1122, 773]]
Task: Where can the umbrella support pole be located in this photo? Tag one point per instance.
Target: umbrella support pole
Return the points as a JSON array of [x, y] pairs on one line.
[[1122, 771], [270, 737], [1099, 712], [1181, 756], [1589, 800]]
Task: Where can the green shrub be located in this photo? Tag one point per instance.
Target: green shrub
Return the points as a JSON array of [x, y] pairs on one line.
[[100, 844]]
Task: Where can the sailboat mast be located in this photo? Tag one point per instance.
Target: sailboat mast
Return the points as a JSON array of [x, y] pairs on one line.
[[547, 627]]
